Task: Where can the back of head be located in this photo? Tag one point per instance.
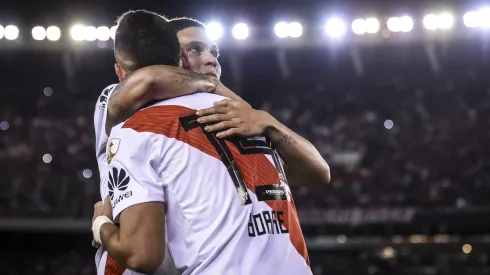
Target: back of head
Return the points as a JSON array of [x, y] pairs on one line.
[[143, 39], [181, 23]]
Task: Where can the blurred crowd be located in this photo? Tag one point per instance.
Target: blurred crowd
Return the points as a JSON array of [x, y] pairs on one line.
[[390, 140]]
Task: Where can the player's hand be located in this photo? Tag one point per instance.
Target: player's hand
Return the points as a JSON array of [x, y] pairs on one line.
[[230, 118], [102, 209]]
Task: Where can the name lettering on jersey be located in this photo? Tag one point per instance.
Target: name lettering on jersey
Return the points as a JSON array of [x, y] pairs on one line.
[[266, 222], [112, 148], [118, 183]]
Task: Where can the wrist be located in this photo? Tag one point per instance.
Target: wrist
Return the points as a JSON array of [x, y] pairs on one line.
[[97, 225], [269, 124]]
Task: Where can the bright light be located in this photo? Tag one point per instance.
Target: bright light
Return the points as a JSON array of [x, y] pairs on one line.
[[48, 91], [445, 21], [53, 33], [372, 25], [77, 32], [87, 173], [103, 33], [388, 124], [467, 248], [484, 17], [430, 22], [359, 26], [406, 23], [335, 27], [394, 24], [11, 32], [2, 31], [38, 33], [471, 19], [240, 31], [295, 30], [89, 33], [4, 125], [282, 29], [113, 32], [214, 30], [47, 158]]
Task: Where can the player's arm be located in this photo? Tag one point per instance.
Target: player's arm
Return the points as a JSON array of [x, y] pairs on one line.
[[136, 202], [158, 82], [304, 164]]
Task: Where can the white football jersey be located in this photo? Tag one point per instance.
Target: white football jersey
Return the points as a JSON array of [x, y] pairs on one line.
[[228, 207], [105, 265]]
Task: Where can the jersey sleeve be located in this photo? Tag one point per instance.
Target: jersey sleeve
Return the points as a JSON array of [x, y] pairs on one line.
[[100, 115], [133, 162]]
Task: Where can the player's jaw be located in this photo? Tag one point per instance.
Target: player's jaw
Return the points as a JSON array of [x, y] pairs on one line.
[[202, 52]]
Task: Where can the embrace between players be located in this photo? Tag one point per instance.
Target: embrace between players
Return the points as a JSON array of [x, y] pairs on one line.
[[193, 179]]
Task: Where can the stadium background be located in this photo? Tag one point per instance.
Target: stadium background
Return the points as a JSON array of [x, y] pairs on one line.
[[401, 117]]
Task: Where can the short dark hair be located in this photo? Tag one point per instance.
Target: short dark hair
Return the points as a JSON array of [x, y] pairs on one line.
[[145, 38], [181, 23]]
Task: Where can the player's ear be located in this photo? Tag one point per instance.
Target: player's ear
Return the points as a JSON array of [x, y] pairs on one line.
[[120, 72], [185, 58]]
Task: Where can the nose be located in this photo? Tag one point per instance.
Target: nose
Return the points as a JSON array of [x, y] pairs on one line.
[[210, 60]]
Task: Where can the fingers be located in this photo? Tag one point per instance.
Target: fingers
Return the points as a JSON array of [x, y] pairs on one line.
[[214, 118], [107, 200], [213, 110], [228, 133], [219, 126]]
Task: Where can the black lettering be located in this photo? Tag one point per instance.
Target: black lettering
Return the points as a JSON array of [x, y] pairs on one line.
[[275, 223], [259, 233], [267, 219], [281, 222], [251, 231]]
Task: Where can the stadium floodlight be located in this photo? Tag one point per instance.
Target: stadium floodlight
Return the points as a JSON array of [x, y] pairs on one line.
[[214, 30], [113, 32], [282, 29], [445, 21], [430, 21], [359, 26], [39, 33], [406, 23], [295, 30], [2, 31], [11, 32], [372, 25], [53, 33], [484, 17], [89, 33], [394, 24], [471, 19], [103, 33], [335, 27], [240, 31], [77, 32]]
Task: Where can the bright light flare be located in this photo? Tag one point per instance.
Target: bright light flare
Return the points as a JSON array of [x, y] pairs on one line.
[[77, 32], [11, 32], [2, 31], [103, 33], [445, 21], [214, 30], [38, 33], [295, 30], [400, 24], [335, 27], [53, 33], [430, 22], [90, 33], [113, 32], [281, 29], [240, 31], [372, 25], [359, 26]]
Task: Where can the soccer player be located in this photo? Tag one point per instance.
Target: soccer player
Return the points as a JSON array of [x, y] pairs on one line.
[[137, 34], [227, 204]]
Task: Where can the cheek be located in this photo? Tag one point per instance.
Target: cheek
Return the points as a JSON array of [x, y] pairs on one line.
[[194, 63]]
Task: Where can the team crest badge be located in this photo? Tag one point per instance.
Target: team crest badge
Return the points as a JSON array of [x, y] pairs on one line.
[[112, 148]]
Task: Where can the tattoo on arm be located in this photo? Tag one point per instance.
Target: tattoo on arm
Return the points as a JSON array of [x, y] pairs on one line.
[[287, 140], [114, 108]]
